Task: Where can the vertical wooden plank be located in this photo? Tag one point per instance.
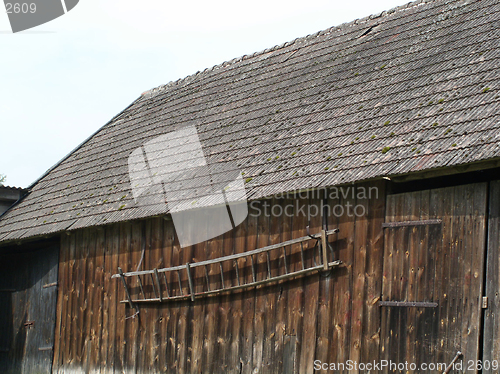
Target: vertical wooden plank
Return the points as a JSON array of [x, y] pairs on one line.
[[106, 284], [272, 292], [461, 263], [296, 290], [31, 358], [147, 317], [173, 310], [456, 281], [386, 280], [345, 251], [49, 305], [111, 298], [403, 269], [436, 248], [411, 254], [393, 267], [443, 272], [329, 292], [61, 301], [133, 352], [185, 335], [281, 225], [425, 281], [479, 195], [389, 273], [167, 319], [226, 356], [374, 271], [80, 306], [324, 307], [87, 300], [97, 301], [246, 355], [491, 337], [465, 278], [138, 325], [199, 306], [237, 331], [358, 271], [311, 294], [155, 262], [122, 340], [262, 310], [210, 352], [68, 289]]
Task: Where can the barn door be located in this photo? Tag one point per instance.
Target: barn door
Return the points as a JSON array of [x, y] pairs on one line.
[[28, 293], [433, 276], [41, 312]]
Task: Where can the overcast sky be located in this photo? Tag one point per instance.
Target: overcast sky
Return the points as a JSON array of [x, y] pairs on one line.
[[62, 81]]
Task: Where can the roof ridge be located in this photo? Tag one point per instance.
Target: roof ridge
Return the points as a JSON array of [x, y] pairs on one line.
[[156, 90]]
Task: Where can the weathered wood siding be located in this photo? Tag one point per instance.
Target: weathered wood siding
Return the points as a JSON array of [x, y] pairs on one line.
[[275, 329], [285, 327]]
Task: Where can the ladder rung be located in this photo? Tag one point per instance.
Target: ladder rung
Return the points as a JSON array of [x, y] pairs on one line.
[[286, 266]]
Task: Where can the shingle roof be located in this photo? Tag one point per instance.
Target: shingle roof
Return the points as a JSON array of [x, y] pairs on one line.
[[410, 89]]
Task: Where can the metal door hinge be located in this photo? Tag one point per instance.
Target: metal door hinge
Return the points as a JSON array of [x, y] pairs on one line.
[[485, 302]]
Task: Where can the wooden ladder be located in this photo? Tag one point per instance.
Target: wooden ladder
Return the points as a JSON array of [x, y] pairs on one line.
[[163, 290]]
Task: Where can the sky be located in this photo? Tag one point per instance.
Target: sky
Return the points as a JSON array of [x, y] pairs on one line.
[[63, 80]]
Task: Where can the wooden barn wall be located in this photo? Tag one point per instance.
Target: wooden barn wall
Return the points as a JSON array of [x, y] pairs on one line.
[[276, 329]]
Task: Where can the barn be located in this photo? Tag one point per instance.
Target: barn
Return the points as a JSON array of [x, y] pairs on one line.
[[326, 205]]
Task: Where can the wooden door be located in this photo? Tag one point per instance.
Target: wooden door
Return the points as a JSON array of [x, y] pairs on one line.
[[433, 277], [28, 310]]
